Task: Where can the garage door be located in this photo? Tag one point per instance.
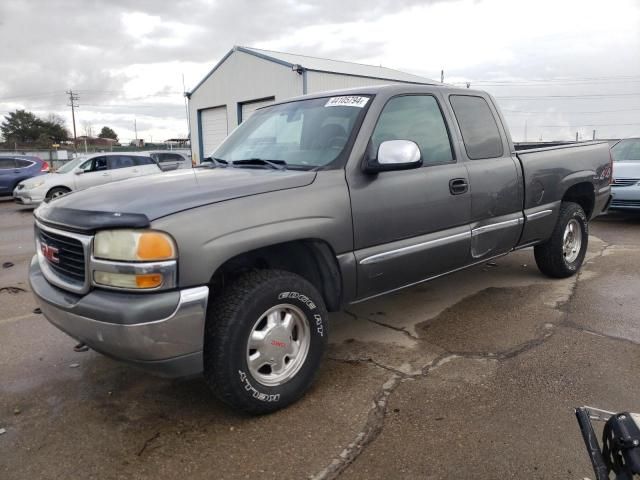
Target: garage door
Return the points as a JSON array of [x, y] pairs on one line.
[[250, 107], [214, 128]]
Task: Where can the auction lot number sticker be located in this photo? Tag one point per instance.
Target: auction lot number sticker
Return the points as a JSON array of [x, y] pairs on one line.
[[347, 101]]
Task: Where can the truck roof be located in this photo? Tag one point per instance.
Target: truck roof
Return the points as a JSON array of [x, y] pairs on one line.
[[388, 89]]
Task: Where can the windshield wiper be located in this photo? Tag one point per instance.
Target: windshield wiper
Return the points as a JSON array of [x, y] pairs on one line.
[[275, 164]]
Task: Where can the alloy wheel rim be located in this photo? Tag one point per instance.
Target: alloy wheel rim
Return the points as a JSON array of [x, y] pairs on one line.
[[572, 241], [278, 345]]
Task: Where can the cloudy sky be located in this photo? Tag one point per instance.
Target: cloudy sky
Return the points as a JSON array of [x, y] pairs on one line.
[[557, 67]]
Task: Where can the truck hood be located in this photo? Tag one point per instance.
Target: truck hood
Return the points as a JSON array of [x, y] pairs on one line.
[[630, 169], [138, 201]]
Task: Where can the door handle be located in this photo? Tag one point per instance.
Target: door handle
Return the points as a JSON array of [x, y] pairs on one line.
[[458, 186], [105, 174]]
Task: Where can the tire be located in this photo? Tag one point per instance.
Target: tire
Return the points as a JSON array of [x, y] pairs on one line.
[[56, 192], [239, 314], [552, 258]]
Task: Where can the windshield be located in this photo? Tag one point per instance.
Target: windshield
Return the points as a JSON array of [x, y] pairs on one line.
[[67, 167], [305, 134], [626, 150]]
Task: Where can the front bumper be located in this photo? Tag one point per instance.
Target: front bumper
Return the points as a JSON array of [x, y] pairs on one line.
[[625, 198], [27, 197], [162, 332]]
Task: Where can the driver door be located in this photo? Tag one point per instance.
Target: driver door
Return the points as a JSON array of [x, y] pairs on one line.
[[410, 225], [94, 172]]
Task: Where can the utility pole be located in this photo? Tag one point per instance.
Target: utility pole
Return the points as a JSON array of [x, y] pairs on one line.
[[73, 98], [441, 76], [135, 128], [594, 135], [576, 136]]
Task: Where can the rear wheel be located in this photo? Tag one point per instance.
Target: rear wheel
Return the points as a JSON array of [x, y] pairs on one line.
[[264, 341], [56, 192], [562, 255]]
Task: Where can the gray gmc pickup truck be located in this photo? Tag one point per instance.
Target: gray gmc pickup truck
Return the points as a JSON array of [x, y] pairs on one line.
[[310, 205]]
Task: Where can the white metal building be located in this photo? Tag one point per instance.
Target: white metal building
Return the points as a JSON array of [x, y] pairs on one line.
[[248, 78]]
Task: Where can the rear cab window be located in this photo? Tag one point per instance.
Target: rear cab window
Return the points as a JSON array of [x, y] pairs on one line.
[[480, 132]]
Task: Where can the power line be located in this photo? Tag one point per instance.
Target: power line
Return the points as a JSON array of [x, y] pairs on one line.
[[620, 78], [547, 84], [531, 112], [591, 125], [34, 95], [542, 97]]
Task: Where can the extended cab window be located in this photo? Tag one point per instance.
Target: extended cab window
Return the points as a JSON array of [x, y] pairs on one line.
[[478, 126], [417, 118]]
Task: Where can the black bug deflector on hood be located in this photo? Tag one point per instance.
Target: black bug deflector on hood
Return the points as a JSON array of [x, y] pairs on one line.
[[134, 203]]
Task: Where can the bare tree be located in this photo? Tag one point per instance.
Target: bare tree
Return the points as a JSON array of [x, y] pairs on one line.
[[88, 129], [55, 119]]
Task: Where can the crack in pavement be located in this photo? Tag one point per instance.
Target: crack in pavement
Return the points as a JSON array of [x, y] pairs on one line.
[[375, 419], [376, 416], [385, 325]]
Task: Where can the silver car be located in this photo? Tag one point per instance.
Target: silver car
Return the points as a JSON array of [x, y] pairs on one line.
[[626, 175], [84, 172]]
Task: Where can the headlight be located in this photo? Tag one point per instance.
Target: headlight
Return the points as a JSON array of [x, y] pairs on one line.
[[134, 260], [35, 184], [134, 246]]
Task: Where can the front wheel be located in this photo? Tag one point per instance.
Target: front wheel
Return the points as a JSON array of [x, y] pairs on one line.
[[264, 341], [56, 192], [562, 255]]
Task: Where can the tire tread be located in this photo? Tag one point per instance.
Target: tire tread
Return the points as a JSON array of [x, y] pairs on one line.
[[548, 255]]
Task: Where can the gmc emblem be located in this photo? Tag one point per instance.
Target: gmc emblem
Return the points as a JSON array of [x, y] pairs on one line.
[[50, 253]]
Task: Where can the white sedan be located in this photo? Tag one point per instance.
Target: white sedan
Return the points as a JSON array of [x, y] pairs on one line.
[[84, 172]]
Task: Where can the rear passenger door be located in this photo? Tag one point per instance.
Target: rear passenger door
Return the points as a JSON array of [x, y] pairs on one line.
[[122, 167], [494, 177], [410, 225]]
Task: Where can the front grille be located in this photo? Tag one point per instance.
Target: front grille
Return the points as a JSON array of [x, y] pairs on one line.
[[69, 253], [624, 182], [625, 203]]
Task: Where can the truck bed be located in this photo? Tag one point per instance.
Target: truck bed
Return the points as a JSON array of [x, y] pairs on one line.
[[581, 169]]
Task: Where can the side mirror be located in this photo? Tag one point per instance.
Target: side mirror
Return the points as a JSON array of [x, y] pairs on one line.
[[394, 155], [78, 171]]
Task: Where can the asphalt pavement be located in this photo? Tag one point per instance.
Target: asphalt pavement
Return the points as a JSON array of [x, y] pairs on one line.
[[473, 375]]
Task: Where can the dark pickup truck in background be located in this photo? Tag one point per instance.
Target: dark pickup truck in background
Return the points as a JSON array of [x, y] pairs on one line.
[[314, 204]]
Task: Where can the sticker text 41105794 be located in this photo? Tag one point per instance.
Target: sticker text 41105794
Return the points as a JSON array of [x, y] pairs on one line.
[[347, 101]]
